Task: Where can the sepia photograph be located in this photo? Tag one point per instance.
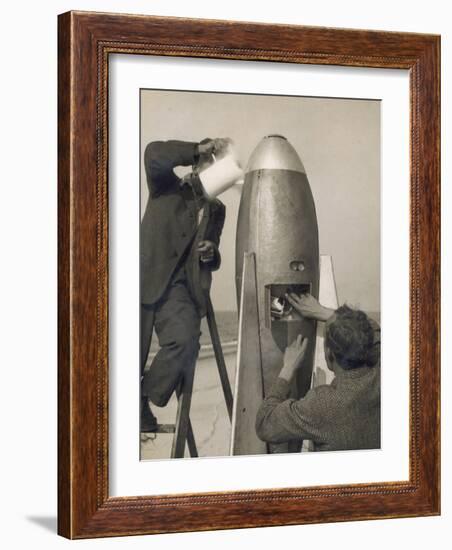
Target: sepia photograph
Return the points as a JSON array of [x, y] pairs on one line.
[[259, 274]]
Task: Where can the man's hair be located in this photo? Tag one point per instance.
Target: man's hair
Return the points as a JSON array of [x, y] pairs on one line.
[[350, 337]]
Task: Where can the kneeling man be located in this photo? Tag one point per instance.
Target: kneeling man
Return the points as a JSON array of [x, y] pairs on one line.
[[344, 415]]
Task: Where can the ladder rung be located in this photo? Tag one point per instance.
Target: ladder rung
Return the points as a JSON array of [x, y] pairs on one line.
[[165, 428], [162, 429]]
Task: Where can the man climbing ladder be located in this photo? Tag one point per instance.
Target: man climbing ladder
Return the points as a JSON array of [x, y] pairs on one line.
[[180, 235]]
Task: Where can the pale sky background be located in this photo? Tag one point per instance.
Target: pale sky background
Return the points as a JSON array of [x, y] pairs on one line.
[[338, 141]]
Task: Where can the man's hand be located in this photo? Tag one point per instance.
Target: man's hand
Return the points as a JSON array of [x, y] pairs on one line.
[[206, 251], [207, 148], [222, 146], [214, 146], [307, 306], [293, 357]]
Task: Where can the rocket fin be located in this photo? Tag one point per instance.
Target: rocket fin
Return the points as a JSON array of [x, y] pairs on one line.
[[248, 391]]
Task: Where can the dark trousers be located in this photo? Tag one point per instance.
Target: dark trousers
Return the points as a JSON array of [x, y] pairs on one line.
[[176, 321]]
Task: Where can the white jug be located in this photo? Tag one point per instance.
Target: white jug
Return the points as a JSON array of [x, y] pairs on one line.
[[220, 175]]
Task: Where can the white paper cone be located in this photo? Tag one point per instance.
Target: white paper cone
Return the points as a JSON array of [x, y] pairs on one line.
[[220, 176]]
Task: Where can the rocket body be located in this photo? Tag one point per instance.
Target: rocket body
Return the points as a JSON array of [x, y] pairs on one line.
[[277, 222]]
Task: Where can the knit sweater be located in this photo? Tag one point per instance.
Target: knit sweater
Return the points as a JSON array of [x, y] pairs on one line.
[[340, 416]]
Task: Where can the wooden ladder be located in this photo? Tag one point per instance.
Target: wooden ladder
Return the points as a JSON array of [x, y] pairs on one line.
[[182, 428]]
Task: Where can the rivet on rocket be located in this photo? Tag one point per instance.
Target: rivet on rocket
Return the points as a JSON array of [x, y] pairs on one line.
[[277, 251]]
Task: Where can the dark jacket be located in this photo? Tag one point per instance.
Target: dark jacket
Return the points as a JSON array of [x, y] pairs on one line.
[[169, 229]]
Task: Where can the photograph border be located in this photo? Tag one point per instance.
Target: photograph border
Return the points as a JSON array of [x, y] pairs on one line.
[[85, 41]]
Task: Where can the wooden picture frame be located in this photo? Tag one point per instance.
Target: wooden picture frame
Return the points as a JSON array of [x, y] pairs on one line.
[[85, 42]]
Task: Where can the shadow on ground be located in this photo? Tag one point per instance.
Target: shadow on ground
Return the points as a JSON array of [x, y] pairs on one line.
[[49, 523]]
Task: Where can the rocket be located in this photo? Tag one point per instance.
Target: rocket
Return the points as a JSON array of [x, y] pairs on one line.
[[277, 251]]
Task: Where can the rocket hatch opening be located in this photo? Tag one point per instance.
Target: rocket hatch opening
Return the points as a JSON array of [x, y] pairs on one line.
[[277, 307]]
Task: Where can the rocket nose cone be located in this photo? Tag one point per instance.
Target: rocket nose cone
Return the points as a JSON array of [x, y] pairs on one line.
[[274, 152]]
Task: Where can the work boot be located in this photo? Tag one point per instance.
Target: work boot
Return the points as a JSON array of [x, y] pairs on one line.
[[148, 422]]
